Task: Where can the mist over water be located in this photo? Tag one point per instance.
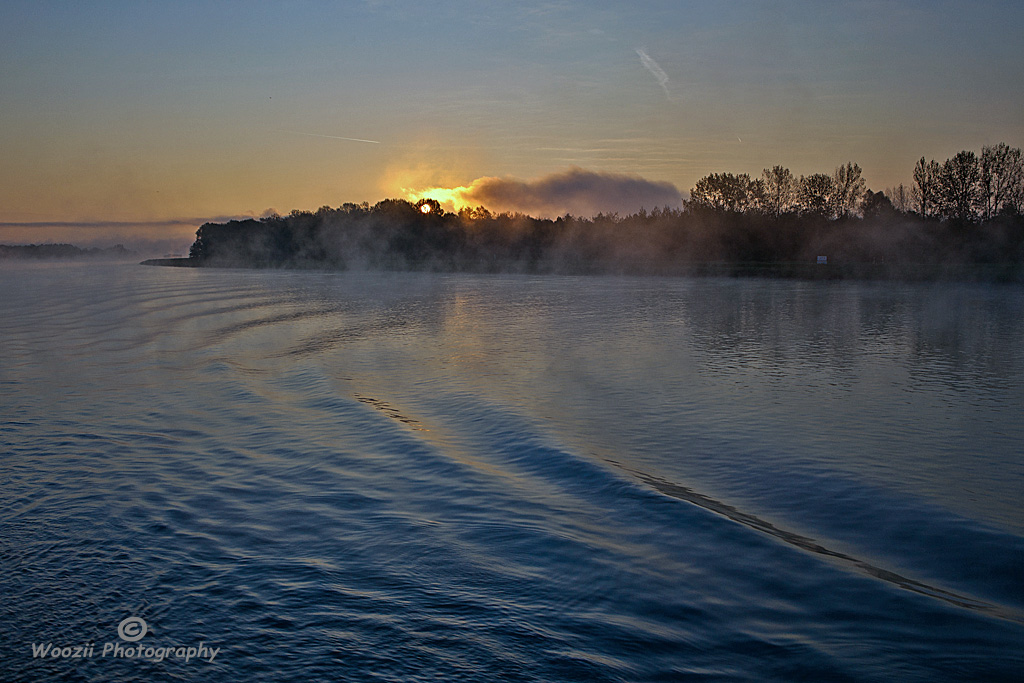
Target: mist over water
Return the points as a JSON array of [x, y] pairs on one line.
[[402, 477]]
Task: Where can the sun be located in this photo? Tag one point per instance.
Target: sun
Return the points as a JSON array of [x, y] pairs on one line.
[[426, 207]]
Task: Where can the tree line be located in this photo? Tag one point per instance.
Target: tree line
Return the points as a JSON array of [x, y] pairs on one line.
[[968, 187], [62, 251], [953, 222]]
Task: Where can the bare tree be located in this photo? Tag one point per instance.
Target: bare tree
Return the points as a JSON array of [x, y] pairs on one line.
[[1002, 172], [780, 190], [848, 190], [1015, 198], [925, 190], [901, 198]]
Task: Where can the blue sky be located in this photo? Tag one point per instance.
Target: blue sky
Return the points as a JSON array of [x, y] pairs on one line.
[[165, 111]]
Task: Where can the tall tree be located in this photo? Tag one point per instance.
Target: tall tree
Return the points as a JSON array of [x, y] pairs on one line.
[[959, 186], [780, 190], [1001, 175], [1015, 198], [848, 190], [925, 190], [728, 191], [901, 198], [817, 192]]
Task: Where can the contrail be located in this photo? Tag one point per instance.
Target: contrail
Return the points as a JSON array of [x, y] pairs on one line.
[[333, 137], [655, 70]]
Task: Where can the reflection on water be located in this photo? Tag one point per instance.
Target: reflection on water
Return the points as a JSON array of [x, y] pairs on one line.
[[409, 476]]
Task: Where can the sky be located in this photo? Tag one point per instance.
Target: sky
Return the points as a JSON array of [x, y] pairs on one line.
[[136, 121]]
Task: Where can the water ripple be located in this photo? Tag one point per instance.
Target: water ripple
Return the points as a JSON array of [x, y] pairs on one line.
[[407, 477]]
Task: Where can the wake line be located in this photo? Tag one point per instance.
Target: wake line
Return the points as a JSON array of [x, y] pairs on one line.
[[391, 412], [805, 543]]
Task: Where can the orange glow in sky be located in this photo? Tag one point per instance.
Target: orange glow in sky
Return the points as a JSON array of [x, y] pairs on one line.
[[450, 199], [172, 114]]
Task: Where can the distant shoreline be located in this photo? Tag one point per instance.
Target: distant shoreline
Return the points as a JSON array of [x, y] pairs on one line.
[[181, 262], [396, 235], [62, 252]]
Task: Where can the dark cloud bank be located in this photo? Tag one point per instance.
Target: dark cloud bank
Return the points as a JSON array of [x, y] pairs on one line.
[[576, 191]]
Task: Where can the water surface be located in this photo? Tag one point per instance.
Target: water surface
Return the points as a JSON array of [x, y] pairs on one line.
[[402, 477]]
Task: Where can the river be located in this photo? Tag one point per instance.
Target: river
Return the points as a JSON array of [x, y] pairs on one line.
[[420, 477]]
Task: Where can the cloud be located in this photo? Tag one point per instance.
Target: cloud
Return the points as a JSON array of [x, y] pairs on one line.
[[332, 137], [655, 70], [575, 191]]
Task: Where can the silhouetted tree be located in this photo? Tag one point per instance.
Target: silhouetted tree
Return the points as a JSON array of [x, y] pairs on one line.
[[817, 193], [958, 186], [876, 205], [480, 213], [198, 250], [730, 218], [1001, 178], [433, 207], [848, 190], [925, 190], [727, 191], [900, 197], [780, 190]]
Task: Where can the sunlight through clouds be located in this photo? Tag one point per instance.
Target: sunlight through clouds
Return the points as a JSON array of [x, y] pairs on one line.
[[576, 191]]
